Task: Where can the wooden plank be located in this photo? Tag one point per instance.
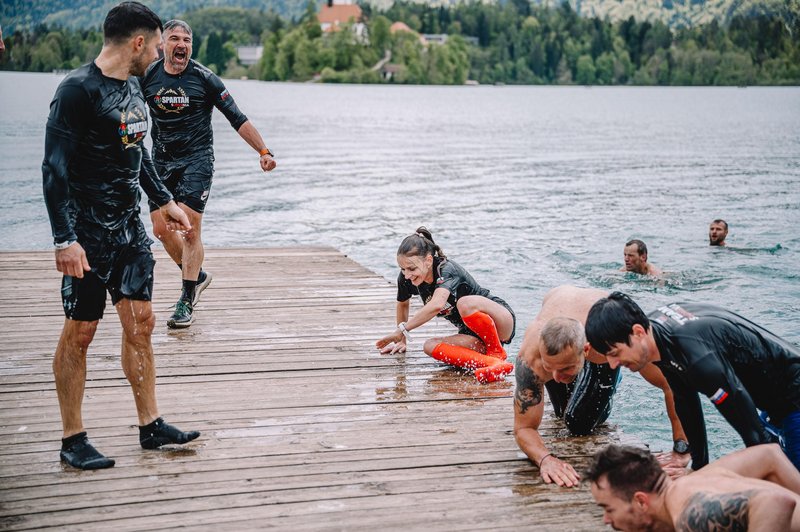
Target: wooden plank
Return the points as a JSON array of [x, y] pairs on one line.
[[305, 426]]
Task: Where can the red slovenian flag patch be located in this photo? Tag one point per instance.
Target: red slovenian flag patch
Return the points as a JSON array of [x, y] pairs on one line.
[[719, 396]]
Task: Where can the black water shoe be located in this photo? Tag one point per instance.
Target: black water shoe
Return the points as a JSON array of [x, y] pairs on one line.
[[79, 453], [159, 433]]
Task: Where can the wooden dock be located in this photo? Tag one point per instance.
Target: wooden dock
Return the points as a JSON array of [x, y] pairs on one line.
[[304, 425]]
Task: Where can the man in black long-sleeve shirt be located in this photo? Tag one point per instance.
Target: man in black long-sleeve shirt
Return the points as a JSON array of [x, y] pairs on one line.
[[741, 367], [182, 94], [93, 165]]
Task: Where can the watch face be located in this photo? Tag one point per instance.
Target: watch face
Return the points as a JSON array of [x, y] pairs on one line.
[[681, 447]]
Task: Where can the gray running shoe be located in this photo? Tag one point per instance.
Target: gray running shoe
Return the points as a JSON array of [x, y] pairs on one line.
[[202, 282], [182, 317]]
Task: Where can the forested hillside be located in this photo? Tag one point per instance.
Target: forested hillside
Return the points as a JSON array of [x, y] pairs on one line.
[[86, 14], [89, 14], [517, 42]]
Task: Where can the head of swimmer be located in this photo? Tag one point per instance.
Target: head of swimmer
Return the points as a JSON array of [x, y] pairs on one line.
[[562, 343], [177, 46], [415, 256], [628, 484], [717, 232], [635, 256]]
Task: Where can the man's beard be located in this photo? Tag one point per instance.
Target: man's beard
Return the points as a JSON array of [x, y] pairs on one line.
[[139, 64]]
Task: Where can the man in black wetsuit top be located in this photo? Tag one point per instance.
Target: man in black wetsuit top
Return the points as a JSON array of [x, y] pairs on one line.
[[93, 165], [741, 367], [182, 94], [555, 356]]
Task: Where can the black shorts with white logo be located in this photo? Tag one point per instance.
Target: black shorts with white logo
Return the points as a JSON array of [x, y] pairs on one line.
[[124, 270], [189, 184]]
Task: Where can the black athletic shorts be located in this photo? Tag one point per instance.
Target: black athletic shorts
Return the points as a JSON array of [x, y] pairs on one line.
[[463, 329], [190, 184], [130, 276]]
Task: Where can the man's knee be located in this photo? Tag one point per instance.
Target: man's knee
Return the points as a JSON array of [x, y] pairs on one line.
[[159, 226], [137, 318], [144, 324], [192, 236], [79, 334]]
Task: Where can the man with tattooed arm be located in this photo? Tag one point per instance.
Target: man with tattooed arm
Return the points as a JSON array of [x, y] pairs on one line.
[[754, 489], [579, 382]]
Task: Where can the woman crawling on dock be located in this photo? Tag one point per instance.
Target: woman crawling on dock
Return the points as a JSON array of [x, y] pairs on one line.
[[484, 322]]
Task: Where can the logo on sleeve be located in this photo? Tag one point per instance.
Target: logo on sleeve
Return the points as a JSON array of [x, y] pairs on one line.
[[677, 313], [132, 127], [224, 95], [719, 397], [171, 100]]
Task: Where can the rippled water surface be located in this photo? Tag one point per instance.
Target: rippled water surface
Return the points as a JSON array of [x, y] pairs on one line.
[[527, 187]]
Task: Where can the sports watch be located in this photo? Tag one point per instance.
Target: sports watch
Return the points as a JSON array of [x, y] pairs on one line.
[[681, 446]]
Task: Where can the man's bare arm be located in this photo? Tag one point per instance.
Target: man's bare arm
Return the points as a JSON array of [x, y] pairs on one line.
[[653, 375], [528, 412], [766, 462]]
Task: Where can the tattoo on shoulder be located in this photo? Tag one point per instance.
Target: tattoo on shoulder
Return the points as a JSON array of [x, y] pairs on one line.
[[529, 387], [727, 511]]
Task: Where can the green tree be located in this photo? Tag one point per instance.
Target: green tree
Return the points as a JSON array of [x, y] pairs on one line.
[[585, 70], [214, 54], [735, 68], [604, 69], [379, 34], [47, 54]]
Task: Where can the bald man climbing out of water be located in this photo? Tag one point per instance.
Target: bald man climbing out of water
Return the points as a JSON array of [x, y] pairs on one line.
[[579, 382]]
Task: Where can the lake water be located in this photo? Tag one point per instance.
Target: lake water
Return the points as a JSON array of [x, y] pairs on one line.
[[527, 187]]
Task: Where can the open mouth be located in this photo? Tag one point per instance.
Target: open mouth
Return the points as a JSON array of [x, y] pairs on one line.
[[179, 55]]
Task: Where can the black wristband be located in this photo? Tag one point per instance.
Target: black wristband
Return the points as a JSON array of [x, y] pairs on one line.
[[681, 447]]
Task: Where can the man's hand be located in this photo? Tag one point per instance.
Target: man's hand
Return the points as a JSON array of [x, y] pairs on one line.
[[72, 261], [175, 218], [674, 464], [267, 162], [554, 470], [392, 343]]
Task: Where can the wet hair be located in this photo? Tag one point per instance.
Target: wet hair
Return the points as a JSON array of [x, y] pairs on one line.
[[420, 244], [126, 19], [641, 247], [627, 470], [175, 23], [560, 333], [721, 221], [611, 320]]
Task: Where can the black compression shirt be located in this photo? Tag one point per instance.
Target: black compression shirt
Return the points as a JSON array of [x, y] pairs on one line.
[[449, 275], [181, 107], [737, 364], [94, 153]]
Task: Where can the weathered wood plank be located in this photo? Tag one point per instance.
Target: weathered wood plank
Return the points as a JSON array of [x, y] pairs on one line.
[[305, 426]]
